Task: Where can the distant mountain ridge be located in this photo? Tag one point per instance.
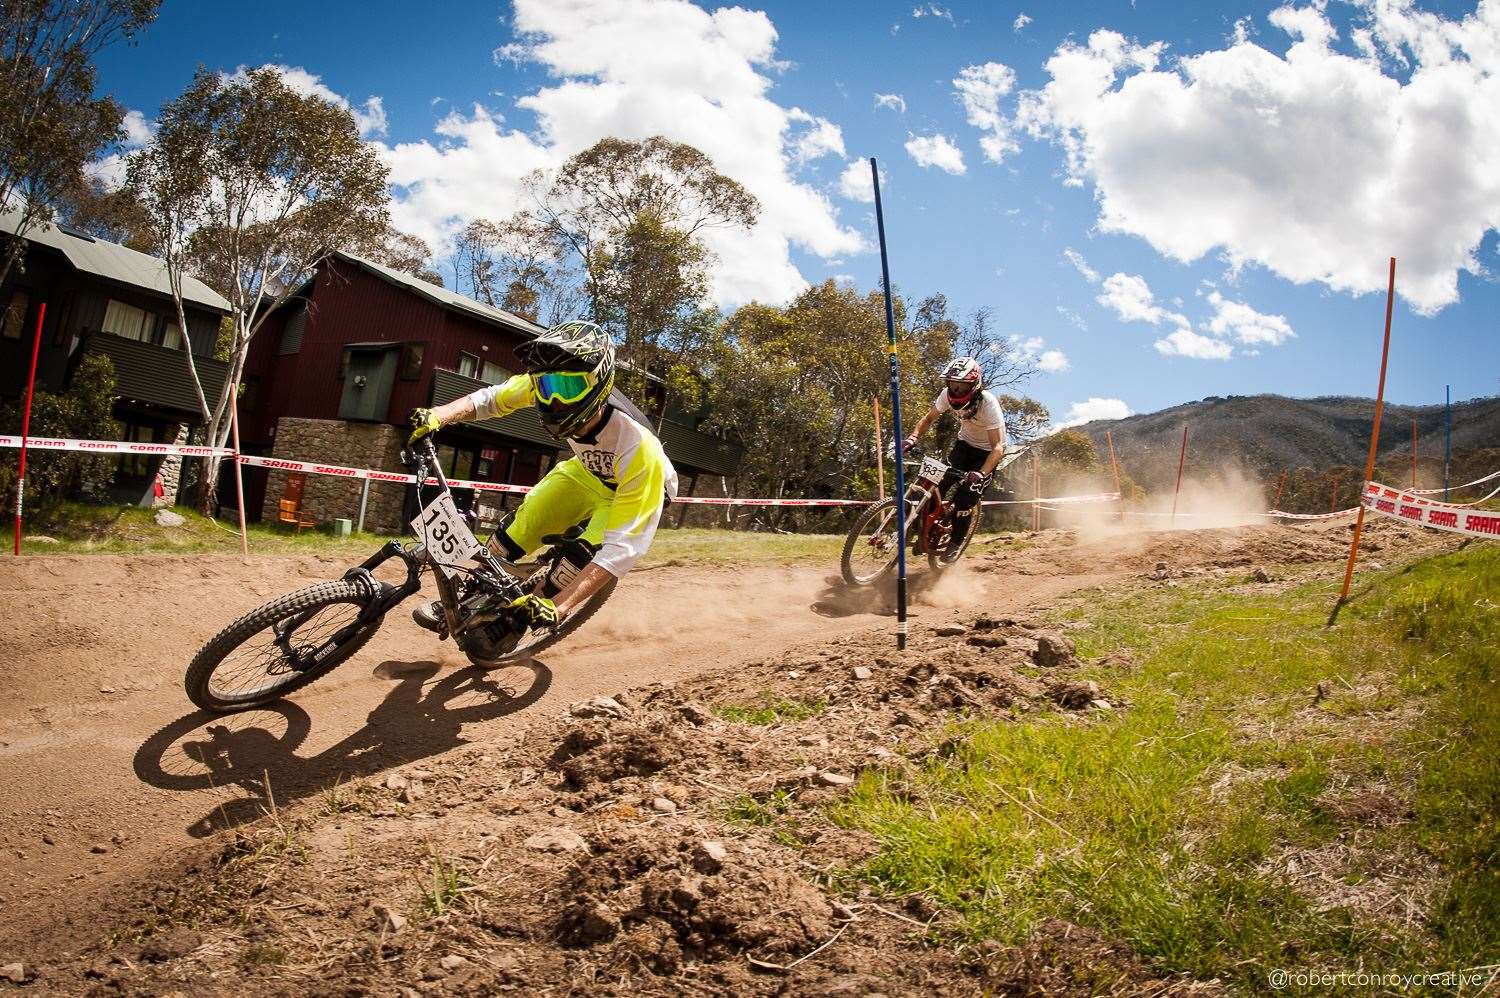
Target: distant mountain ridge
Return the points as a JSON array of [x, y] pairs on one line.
[[1266, 434]]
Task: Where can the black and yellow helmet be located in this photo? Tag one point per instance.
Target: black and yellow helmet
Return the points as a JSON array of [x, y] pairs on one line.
[[572, 368]]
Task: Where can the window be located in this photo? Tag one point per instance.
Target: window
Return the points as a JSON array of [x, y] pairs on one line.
[[493, 373], [138, 467], [128, 321], [468, 365], [15, 315], [171, 336], [411, 360]]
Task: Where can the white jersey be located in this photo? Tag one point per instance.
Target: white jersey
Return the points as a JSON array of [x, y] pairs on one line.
[[974, 426]]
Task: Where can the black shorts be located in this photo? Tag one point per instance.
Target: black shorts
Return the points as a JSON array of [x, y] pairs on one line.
[[961, 459]]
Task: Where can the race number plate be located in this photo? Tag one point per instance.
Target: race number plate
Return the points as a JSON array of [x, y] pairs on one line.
[[450, 542], [932, 469]]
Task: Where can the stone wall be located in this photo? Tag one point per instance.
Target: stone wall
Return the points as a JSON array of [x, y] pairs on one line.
[[170, 470], [352, 445]]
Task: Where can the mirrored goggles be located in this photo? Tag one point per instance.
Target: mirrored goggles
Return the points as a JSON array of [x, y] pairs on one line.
[[961, 389], [564, 386]]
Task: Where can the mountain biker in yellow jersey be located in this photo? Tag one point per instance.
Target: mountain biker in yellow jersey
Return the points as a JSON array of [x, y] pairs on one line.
[[618, 478], [980, 444]]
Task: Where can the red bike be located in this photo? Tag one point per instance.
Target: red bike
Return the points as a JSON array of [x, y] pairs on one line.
[[870, 548]]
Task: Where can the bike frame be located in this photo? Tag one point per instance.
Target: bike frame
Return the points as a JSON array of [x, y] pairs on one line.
[[384, 596], [924, 501]]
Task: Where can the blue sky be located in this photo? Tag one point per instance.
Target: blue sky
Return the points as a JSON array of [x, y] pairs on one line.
[[1158, 201]]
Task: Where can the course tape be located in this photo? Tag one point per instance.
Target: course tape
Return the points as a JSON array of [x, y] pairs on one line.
[[1411, 508], [115, 447], [1279, 514], [1478, 481]]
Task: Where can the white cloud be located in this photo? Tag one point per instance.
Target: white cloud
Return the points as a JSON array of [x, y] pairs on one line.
[[938, 151], [1019, 23], [1246, 324], [1183, 342], [1094, 408], [368, 117], [1081, 265], [1033, 350], [1073, 317], [979, 89], [1315, 164], [895, 102], [821, 138], [665, 68], [1130, 298], [138, 131], [854, 182], [933, 10]]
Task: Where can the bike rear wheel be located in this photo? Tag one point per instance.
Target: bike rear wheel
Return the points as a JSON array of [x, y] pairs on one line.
[[280, 647], [870, 550]]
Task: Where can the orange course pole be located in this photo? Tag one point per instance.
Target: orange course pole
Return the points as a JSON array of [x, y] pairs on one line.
[[1036, 492], [1116, 466], [1359, 521], [879, 451], [239, 481], [1414, 452], [1181, 463]]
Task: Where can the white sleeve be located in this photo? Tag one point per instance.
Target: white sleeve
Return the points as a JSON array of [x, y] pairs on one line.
[[941, 403]]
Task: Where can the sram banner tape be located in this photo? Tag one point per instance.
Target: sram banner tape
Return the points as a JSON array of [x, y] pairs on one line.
[[1404, 506], [115, 447]]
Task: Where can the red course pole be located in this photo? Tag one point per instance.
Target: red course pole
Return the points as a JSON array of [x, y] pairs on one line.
[[36, 348], [1181, 462], [1359, 521], [1280, 484]]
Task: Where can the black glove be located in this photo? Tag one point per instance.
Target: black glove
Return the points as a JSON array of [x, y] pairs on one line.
[[423, 422], [976, 480], [910, 442]]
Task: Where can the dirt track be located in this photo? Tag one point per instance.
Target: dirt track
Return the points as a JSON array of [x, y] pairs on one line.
[[108, 774], [99, 749]]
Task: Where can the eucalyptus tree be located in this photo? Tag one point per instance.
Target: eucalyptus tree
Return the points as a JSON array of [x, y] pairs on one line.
[[51, 123], [249, 185]]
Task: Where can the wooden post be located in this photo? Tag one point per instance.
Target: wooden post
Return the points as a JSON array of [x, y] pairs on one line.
[[1359, 521], [879, 452], [1414, 452], [239, 478], [1280, 485], [1181, 463], [1333, 495], [36, 348], [1116, 466]]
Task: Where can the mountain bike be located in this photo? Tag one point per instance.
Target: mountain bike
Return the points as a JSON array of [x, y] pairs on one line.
[[291, 641], [870, 548]]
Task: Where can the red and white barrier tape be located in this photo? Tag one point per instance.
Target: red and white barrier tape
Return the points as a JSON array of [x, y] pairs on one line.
[[1282, 515], [1410, 508], [115, 447], [1058, 500], [1478, 481]]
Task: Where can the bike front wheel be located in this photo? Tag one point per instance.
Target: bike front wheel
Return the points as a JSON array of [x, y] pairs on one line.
[[280, 647], [871, 548]]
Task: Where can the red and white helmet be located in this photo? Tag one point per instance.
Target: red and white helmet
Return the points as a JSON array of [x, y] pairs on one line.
[[963, 378]]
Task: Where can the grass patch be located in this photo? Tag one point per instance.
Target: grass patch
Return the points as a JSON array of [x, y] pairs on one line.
[[444, 887], [771, 711], [80, 528], [1166, 825]]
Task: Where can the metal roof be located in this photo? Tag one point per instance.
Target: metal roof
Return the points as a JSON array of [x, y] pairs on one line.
[[446, 298], [114, 262]]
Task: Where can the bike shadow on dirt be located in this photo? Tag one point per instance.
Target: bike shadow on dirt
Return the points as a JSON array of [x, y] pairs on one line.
[[251, 759], [839, 599]]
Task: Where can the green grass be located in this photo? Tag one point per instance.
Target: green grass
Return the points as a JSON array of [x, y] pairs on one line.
[[445, 887], [771, 711], [1161, 824]]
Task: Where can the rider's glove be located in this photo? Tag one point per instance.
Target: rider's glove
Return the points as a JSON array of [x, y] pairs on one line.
[[976, 480], [910, 442], [539, 611], [423, 422]]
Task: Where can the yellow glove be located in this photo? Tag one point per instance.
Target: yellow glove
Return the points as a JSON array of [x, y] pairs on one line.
[[539, 610], [423, 422]]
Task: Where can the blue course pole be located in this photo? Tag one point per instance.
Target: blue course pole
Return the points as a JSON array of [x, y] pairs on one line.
[[890, 332], [1447, 435]]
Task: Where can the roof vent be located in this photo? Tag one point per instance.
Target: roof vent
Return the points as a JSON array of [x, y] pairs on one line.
[[77, 233]]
